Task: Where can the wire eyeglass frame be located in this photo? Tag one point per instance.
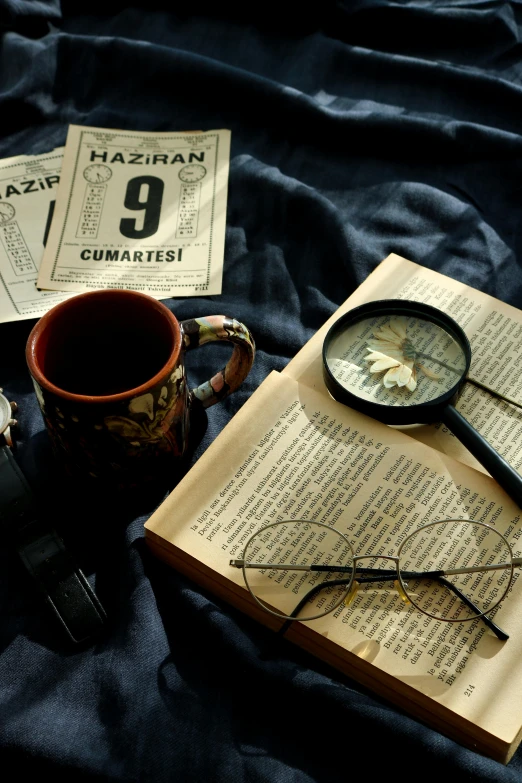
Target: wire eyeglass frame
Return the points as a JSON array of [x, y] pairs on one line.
[[359, 575]]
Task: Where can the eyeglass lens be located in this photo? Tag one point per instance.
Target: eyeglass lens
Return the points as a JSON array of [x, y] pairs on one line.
[[469, 548], [295, 544]]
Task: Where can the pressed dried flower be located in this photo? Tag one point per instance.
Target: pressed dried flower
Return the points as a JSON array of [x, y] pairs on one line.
[[393, 353]]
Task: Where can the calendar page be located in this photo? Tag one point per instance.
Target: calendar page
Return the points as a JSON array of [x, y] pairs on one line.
[[28, 185], [139, 211]]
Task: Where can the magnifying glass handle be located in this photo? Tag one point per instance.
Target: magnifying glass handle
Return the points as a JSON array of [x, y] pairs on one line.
[[508, 478]]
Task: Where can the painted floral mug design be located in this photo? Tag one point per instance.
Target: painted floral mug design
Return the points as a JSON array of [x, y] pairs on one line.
[[109, 374]]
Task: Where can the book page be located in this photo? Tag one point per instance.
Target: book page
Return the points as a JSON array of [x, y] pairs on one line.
[[139, 211], [292, 453], [494, 330], [28, 186]]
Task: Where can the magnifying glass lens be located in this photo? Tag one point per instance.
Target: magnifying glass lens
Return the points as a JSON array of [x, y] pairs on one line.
[[392, 359]]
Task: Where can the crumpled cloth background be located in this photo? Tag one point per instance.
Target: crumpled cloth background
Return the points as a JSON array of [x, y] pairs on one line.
[[358, 129]]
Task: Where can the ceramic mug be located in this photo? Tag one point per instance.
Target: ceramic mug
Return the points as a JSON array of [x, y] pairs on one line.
[[109, 373]]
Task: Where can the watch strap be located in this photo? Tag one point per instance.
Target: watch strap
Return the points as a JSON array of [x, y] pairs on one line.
[[16, 497], [64, 586]]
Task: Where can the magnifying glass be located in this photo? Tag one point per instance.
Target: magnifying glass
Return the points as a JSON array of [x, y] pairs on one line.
[[405, 362]]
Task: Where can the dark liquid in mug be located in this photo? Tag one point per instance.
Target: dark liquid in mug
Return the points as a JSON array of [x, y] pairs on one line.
[[109, 363]]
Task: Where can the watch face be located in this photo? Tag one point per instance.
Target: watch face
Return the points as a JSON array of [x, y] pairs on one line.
[[192, 173], [7, 212], [5, 412], [97, 173]]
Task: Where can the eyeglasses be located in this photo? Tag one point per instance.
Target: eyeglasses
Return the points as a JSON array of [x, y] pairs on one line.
[[452, 570]]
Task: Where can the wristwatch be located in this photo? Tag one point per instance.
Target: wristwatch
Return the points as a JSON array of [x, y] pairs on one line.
[[64, 586]]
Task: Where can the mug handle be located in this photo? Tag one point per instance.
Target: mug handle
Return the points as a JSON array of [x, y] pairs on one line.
[[199, 331]]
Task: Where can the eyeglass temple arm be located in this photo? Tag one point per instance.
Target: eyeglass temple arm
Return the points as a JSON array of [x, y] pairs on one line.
[[384, 576], [439, 576], [310, 594], [499, 633]]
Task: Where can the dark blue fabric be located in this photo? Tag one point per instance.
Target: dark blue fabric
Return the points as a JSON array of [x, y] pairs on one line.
[[358, 129]]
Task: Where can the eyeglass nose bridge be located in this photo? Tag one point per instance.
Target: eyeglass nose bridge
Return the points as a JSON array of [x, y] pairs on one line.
[[375, 576], [394, 558]]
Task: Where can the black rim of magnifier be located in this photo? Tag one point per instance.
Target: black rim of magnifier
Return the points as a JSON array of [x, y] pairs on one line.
[[418, 413]]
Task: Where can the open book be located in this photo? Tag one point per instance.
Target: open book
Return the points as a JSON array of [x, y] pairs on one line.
[[292, 452]]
